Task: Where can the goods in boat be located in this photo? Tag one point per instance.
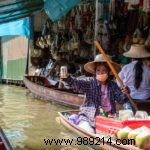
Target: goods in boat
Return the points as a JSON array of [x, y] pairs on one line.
[[123, 133]]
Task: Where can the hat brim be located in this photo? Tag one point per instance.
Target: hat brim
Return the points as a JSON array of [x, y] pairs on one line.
[[133, 55], [90, 66], [137, 51]]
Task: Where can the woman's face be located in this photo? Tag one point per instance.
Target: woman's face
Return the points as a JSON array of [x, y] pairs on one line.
[[102, 73], [101, 69]]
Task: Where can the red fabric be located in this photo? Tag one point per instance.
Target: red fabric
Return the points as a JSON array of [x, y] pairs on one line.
[[72, 22], [141, 3], [86, 18]]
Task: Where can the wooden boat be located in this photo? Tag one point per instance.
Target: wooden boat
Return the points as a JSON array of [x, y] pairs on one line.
[[143, 105], [41, 87], [100, 135], [4, 143]]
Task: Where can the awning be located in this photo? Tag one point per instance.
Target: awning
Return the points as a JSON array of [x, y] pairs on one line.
[[55, 9], [14, 13], [11, 10], [19, 27]]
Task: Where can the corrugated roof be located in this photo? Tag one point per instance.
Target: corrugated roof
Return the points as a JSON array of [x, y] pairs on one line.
[[11, 10]]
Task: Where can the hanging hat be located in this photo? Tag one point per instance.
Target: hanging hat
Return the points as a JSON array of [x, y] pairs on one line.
[[137, 51], [90, 66], [89, 41]]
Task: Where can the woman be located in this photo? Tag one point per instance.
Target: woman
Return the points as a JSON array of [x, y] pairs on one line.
[[100, 91], [136, 75]]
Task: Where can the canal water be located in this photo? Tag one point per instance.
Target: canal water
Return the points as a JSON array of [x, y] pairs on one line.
[[27, 121]]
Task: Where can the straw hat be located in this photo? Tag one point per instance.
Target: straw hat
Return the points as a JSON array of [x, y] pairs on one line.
[[137, 51], [90, 66], [89, 41]]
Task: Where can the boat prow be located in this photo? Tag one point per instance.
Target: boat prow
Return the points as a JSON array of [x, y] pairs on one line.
[[101, 135], [41, 87], [4, 143]]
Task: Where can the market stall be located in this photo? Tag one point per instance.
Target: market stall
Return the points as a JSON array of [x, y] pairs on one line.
[[115, 24]]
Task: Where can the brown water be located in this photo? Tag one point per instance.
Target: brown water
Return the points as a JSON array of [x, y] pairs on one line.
[[27, 121]]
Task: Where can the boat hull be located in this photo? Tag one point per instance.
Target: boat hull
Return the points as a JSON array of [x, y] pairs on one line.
[[48, 93], [82, 133]]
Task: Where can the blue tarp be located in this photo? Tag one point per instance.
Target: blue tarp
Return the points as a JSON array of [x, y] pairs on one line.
[[19, 27], [55, 9]]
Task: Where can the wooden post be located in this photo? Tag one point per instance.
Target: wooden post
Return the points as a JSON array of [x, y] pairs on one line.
[[96, 25]]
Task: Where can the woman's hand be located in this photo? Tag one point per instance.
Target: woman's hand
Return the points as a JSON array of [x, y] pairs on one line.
[[125, 89], [64, 76]]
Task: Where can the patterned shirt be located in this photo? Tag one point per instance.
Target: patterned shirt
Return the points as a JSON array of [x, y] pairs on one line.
[[92, 89]]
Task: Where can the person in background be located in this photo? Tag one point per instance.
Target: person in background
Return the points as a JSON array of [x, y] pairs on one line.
[[37, 71], [136, 75], [100, 91], [147, 62]]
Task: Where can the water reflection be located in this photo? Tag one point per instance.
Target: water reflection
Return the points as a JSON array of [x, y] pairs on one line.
[[27, 122]]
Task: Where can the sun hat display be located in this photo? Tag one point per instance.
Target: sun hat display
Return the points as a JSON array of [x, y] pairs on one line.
[[90, 66], [137, 51]]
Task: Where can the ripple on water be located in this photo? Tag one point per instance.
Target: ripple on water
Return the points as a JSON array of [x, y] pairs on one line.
[[27, 122]]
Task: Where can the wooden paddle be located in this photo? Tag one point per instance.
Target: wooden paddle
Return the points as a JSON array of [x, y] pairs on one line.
[[115, 73]]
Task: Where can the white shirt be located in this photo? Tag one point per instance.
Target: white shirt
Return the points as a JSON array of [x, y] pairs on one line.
[[37, 72], [127, 74]]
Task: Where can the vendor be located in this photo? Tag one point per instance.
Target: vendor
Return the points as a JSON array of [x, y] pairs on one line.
[[136, 75], [100, 91]]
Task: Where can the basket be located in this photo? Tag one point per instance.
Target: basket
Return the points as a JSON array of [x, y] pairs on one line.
[[110, 125]]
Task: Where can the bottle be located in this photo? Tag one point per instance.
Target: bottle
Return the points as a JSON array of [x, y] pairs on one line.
[[63, 72], [127, 105]]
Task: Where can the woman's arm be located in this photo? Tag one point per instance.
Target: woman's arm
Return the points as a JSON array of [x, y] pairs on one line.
[[78, 84], [118, 94], [121, 75]]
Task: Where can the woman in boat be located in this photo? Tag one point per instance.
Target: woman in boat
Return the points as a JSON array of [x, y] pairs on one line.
[[100, 92], [136, 75]]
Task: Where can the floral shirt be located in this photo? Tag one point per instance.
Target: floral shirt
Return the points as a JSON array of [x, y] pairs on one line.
[[92, 89]]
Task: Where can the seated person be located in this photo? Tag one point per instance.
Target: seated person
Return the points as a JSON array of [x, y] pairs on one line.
[[136, 75], [37, 71], [100, 91]]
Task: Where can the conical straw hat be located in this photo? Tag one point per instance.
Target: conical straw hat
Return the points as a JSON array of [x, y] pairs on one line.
[[90, 66], [137, 51]]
